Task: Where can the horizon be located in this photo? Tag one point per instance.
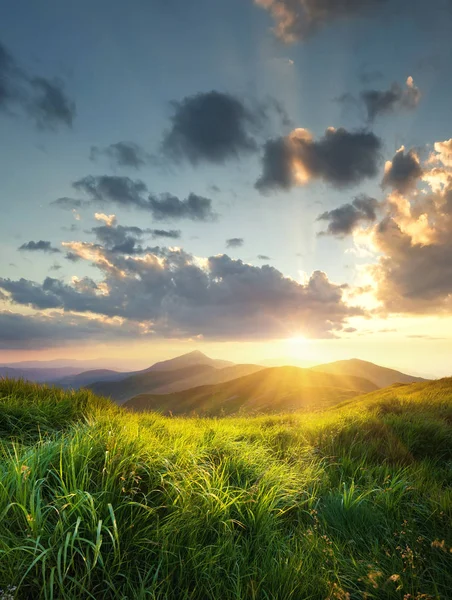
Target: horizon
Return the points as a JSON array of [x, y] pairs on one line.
[[260, 180], [102, 363]]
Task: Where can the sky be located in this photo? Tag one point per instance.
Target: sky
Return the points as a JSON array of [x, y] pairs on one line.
[[257, 179]]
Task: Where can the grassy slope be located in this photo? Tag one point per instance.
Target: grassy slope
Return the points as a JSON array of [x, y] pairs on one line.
[[352, 503], [381, 376], [269, 390]]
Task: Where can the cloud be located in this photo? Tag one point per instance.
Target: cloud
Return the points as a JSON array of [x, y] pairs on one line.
[[340, 158], [412, 242], [175, 294], [41, 246], [42, 99], [234, 242], [403, 172], [212, 127], [126, 192], [263, 257], [298, 19], [119, 190], [381, 102], [119, 238], [167, 207], [109, 220], [48, 330], [122, 154], [128, 239], [173, 234], [346, 218]]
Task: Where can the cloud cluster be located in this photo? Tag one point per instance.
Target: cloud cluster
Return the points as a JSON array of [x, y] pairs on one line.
[[341, 158], [54, 329], [345, 219], [171, 293], [129, 193], [43, 100], [298, 19], [413, 239]]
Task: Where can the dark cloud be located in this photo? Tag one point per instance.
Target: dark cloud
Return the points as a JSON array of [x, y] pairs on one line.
[[234, 242], [56, 267], [340, 158], [128, 239], [381, 102], [71, 256], [41, 246], [210, 127], [173, 234], [403, 172], [44, 100], [344, 219], [298, 19], [126, 192], [263, 257], [195, 208], [175, 294], [119, 190], [119, 238], [52, 330], [122, 154]]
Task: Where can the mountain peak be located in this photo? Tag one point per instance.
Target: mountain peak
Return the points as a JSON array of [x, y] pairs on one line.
[[194, 354]]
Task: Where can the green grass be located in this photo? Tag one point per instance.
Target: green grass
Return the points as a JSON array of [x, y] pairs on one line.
[[352, 503]]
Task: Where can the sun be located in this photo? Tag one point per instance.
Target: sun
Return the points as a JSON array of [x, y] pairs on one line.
[[297, 340]]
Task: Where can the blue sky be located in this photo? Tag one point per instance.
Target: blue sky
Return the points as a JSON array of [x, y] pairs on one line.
[[123, 64]]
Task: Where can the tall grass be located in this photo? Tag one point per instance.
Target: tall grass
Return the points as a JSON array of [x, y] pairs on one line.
[[352, 503]]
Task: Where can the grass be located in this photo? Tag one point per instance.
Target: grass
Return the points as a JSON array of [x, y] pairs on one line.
[[352, 503]]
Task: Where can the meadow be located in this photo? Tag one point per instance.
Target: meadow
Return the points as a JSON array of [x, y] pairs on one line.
[[354, 502]]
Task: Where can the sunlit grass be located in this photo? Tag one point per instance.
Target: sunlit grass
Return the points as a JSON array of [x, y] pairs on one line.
[[355, 502]]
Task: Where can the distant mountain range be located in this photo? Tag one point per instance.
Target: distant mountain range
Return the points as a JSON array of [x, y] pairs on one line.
[[196, 383]]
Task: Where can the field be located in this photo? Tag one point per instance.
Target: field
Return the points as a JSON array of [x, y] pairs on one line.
[[351, 503]]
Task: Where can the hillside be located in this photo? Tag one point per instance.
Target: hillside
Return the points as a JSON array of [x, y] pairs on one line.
[[352, 503], [269, 390], [380, 376], [171, 380]]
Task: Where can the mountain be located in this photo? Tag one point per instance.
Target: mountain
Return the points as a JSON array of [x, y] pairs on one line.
[[86, 378], [273, 389], [171, 380], [380, 376], [186, 360], [39, 375]]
